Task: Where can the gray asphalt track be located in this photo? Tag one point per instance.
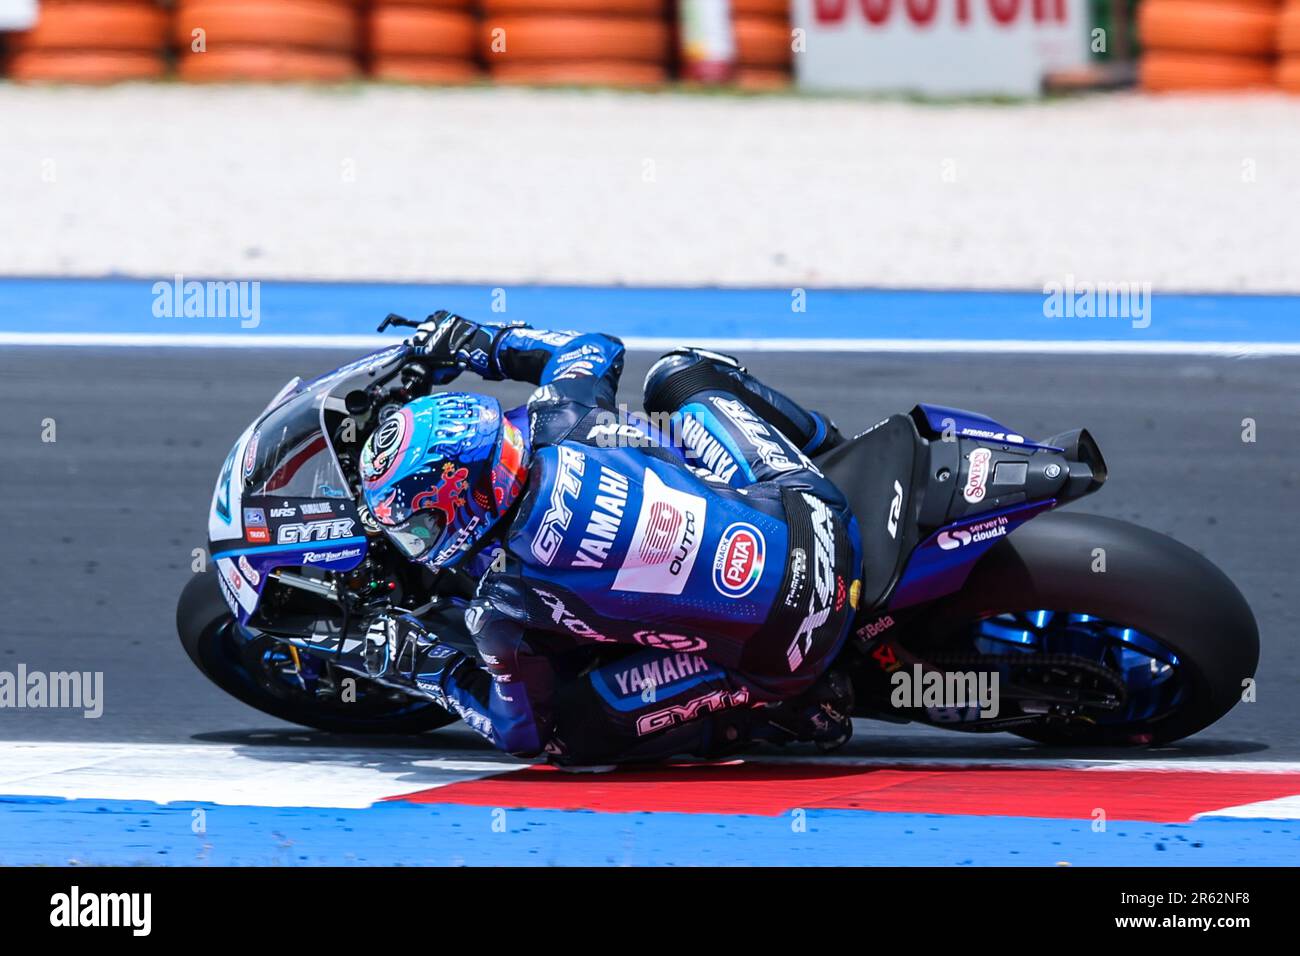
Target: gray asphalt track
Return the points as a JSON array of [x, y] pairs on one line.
[[99, 525]]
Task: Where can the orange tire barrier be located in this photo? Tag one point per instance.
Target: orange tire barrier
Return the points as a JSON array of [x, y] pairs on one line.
[[756, 79], [1211, 27], [266, 64], [419, 31], [71, 66], [421, 69], [762, 42], [1288, 74], [514, 39], [1161, 71], [84, 41], [114, 25], [322, 25], [650, 9], [582, 73], [772, 9], [1288, 28]]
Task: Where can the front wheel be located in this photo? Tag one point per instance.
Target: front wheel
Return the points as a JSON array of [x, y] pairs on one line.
[[1164, 623], [263, 674]]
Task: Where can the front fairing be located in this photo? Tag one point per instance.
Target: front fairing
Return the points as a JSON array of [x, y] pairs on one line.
[[282, 499]]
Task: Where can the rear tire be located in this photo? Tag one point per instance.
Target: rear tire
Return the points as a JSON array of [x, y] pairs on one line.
[[204, 624], [1151, 583]]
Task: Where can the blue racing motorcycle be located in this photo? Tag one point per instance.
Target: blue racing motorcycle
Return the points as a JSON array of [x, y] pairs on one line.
[[1093, 630]]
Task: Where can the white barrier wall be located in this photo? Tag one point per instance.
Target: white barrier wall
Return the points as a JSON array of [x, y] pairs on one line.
[[938, 47]]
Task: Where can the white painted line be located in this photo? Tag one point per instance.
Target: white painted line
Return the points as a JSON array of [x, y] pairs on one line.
[[1283, 808], [231, 774], [659, 344], [279, 776]]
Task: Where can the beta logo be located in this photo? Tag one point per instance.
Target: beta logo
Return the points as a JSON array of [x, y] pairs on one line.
[[738, 562]]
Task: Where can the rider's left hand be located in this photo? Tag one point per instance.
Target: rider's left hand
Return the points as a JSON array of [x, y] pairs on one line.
[[441, 344]]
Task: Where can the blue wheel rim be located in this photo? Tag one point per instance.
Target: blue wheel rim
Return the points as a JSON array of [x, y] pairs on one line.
[[1152, 673]]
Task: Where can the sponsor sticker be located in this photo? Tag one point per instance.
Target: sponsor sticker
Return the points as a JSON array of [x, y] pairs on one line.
[[895, 511], [312, 531], [560, 614], [666, 541], [960, 537], [670, 642], [738, 562], [255, 528], [565, 489], [250, 455], [605, 520], [328, 557], [978, 477], [798, 577], [824, 581], [249, 572], [684, 713]]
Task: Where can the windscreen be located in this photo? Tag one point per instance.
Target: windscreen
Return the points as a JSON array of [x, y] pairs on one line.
[[289, 455]]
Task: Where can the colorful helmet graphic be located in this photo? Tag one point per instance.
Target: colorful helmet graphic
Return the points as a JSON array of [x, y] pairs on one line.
[[440, 472]]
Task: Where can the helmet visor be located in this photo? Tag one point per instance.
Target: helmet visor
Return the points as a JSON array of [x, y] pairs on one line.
[[419, 535]]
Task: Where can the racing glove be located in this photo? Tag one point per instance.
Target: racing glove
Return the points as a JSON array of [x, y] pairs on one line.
[[446, 344]]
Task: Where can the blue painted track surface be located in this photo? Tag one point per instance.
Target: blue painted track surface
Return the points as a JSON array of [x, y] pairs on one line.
[[53, 832], [125, 305]]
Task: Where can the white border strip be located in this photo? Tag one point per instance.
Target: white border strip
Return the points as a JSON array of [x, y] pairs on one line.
[[658, 344]]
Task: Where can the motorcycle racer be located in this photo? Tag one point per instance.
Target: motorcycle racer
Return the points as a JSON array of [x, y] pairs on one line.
[[703, 538]]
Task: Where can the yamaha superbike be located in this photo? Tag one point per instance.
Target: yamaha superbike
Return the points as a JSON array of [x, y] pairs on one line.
[[1094, 630]]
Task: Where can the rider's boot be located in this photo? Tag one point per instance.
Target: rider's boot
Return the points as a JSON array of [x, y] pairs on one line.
[[821, 715]]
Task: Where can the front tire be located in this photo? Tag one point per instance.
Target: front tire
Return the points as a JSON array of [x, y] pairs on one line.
[[205, 626], [1134, 578]]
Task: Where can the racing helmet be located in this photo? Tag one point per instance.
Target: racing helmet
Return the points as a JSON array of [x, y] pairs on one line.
[[440, 472]]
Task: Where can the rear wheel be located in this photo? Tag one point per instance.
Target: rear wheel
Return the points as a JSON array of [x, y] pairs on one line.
[[263, 673], [1110, 605]]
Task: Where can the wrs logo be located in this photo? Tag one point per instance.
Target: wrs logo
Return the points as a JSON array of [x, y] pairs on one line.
[[738, 562]]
